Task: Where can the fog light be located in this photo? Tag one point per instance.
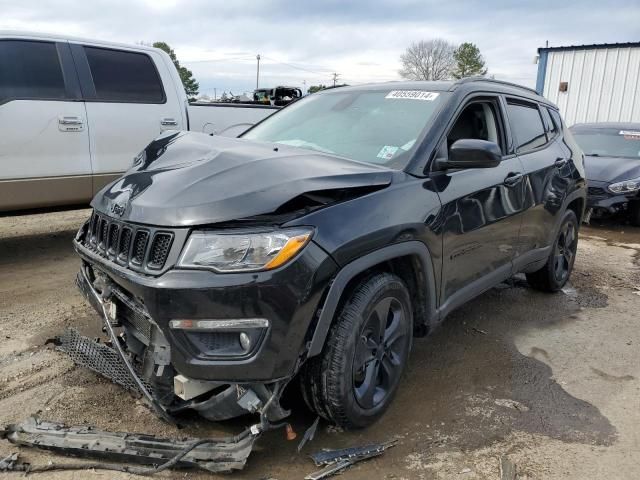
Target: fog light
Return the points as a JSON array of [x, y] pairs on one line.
[[245, 342]]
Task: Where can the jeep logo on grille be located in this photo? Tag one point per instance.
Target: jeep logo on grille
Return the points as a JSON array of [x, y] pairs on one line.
[[117, 209]]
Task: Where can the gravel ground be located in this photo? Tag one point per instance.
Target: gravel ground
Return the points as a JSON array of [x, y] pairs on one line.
[[550, 382]]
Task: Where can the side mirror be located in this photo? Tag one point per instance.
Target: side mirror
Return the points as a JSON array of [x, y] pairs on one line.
[[472, 153]]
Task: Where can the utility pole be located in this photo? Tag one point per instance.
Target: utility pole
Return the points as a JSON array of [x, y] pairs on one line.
[[215, 93], [335, 78], [258, 71]]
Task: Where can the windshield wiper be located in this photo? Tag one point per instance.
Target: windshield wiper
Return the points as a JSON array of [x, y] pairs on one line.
[[297, 142]]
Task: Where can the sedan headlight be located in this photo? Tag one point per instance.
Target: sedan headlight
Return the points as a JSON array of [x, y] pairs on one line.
[[626, 186], [243, 252]]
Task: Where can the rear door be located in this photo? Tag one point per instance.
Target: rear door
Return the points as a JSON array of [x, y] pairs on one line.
[[127, 104], [44, 142], [482, 208], [547, 175]]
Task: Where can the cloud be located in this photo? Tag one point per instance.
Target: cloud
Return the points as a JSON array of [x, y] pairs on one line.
[[308, 41]]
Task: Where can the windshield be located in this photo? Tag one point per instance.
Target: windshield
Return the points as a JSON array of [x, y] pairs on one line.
[[608, 142], [377, 127]]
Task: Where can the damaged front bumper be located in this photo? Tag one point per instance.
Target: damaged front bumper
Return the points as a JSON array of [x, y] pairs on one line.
[[604, 203], [214, 455], [147, 370]]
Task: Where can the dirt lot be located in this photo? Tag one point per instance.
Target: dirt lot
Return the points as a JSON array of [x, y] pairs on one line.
[[550, 381]]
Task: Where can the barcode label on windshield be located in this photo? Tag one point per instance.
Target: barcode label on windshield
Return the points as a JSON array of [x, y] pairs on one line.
[[630, 134], [412, 95]]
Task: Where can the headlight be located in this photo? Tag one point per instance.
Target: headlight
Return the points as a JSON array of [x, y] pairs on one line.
[[242, 252], [626, 186]]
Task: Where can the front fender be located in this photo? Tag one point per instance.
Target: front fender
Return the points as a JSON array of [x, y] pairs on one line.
[[349, 271]]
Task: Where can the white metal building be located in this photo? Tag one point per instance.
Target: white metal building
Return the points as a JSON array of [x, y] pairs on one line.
[[592, 83]]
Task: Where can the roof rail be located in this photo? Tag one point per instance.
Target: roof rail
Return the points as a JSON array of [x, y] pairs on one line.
[[462, 81]]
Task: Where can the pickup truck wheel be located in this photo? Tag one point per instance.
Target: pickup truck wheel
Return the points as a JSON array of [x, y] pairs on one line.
[[556, 272], [354, 379]]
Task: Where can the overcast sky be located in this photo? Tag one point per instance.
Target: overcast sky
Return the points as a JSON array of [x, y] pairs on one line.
[[306, 41]]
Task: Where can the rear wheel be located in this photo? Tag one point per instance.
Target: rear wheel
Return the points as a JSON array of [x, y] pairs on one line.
[[556, 272], [355, 378]]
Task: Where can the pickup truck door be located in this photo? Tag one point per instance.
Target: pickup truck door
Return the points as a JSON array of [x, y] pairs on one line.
[[44, 142], [130, 99]]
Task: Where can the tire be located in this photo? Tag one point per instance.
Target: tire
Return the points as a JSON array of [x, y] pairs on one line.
[[556, 272], [634, 213], [353, 381]]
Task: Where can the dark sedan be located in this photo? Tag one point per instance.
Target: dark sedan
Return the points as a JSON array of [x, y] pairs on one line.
[[612, 164]]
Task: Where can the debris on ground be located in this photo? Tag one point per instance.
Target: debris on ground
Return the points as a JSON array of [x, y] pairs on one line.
[[507, 403], [309, 434], [335, 461], [478, 330], [507, 469], [7, 464], [214, 455]]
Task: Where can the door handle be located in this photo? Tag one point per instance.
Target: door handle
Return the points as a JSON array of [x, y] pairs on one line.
[[168, 122], [69, 121], [560, 162], [513, 179]]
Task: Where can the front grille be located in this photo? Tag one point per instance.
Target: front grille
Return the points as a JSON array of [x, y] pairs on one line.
[[139, 246], [597, 192], [135, 247], [125, 243], [160, 250], [104, 228], [114, 230], [100, 358]]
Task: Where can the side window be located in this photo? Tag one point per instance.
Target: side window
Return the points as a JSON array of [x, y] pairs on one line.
[[549, 126], [30, 70], [126, 77], [555, 115], [477, 121], [526, 125]]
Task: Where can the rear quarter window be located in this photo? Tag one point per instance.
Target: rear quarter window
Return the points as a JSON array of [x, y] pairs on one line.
[[30, 70], [126, 77], [526, 126]]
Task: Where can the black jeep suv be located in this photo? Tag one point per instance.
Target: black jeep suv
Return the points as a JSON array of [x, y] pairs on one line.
[[321, 241]]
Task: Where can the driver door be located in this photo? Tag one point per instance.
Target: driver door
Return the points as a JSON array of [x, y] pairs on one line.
[[482, 208]]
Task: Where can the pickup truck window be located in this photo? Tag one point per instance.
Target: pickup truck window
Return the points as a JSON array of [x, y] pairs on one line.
[[30, 70], [377, 127], [126, 77]]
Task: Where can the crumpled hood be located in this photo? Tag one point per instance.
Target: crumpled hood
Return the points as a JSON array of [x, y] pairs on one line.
[[186, 178], [611, 169]]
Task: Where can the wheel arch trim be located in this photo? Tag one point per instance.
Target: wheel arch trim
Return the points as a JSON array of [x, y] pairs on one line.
[[354, 268]]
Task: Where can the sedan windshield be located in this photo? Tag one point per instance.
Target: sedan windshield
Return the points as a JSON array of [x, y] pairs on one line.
[[608, 142], [377, 127]]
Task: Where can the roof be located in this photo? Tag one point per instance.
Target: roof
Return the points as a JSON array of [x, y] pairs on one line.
[[470, 83], [592, 46], [68, 38], [615, 125]]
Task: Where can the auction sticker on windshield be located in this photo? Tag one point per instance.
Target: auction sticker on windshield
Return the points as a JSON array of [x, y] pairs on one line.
[[412, 95], [630, 135]]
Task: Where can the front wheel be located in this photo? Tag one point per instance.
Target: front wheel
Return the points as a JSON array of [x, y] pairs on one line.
[[355, 378], [556, 272]]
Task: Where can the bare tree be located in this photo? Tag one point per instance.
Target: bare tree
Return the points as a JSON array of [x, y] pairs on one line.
[[428, 60]]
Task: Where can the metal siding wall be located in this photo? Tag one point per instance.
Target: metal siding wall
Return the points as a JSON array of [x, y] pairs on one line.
[[604, 84]]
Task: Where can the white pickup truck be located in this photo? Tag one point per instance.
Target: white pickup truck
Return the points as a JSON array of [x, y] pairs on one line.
[[74, 113]]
